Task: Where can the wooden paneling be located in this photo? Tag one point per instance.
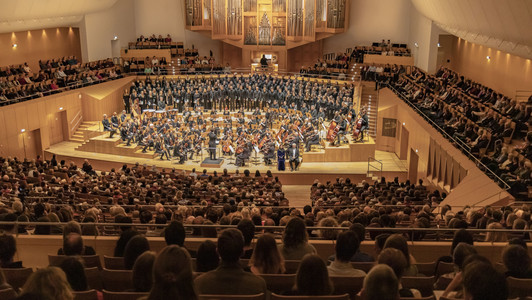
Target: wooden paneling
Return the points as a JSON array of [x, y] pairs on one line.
[[143, 53], [393, 60], [304, 56], [46, 116], [35, 45]]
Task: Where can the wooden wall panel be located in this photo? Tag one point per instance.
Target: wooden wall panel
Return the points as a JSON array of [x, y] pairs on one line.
[[304, 56], [45, 116], [35, 45]]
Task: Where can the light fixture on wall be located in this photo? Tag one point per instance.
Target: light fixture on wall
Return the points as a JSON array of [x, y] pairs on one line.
[[404, 123], [79, 96], [23, 130], [439, 46], [416, 44], [115, 38], [488, 57], [15, 46], [416, 150], [61, 108]]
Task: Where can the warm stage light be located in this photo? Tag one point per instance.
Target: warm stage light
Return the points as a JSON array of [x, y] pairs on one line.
[[15, 46]]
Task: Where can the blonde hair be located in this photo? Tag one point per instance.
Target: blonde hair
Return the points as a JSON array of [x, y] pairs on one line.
[[496, 236], [51, 282]]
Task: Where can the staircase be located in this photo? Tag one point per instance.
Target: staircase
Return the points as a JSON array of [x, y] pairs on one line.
[[83, 133], [370, 99]]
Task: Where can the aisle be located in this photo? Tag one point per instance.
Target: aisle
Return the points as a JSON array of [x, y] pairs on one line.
[[298, 195]]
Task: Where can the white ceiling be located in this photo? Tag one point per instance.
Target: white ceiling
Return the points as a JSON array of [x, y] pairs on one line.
[[18, 15], [505, 25]]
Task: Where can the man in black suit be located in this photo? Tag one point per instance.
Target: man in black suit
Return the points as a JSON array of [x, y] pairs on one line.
[[293, 157], [107, 126], [212, 145]]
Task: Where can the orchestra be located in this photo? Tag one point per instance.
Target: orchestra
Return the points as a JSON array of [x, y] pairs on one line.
[[258, 113]]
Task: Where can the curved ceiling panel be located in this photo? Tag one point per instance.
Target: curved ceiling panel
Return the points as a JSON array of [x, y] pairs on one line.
[[17, 15], [503, 25]]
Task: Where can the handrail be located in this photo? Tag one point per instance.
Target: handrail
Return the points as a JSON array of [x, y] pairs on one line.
[[398, 206], [370, 159], [448, 136], [369, 229]]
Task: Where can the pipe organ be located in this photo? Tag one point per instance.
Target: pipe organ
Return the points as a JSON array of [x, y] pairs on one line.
[[267, 23]]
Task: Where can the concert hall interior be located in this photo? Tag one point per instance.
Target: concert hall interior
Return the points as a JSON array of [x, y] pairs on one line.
[[390, 114]]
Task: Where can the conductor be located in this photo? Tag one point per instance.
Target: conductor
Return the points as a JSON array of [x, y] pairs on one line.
[[212, 145]]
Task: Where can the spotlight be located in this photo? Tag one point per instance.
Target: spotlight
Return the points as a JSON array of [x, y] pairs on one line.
[[416, 44], [15, 46], [416, 151], [115, 38], [439, 45], [488, 57], [22, 130], [404, 123], [61, 108]]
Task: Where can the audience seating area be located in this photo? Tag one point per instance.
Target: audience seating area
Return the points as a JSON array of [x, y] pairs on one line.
[[19, 84], [489, 127]]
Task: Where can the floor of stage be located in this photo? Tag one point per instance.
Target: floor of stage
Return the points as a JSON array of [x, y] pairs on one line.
[[66, 150]]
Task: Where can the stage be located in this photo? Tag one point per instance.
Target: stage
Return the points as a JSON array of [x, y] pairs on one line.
[[307, 173]]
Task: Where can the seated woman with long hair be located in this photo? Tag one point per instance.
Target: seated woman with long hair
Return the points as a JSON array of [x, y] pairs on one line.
[[172, 275], [50, 283], [266, 258], [312, 277], [295, 240]]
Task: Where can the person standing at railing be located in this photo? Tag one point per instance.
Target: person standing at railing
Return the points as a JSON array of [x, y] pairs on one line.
[[127, 101]]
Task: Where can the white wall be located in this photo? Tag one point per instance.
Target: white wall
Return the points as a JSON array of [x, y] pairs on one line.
[[372, 21], [168, 17], [98, 29], [425, 33]]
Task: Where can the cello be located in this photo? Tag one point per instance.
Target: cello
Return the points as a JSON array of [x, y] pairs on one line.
[[333, 131], [357, 127]]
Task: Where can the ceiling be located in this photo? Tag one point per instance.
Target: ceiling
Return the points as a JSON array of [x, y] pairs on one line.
[[505, 25], [18, 15]]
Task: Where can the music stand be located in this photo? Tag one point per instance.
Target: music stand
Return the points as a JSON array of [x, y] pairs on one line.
[[256, 160]]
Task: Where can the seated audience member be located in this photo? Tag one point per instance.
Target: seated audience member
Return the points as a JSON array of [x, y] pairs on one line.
[[455, 287], [230, 278], [3, 283], [295, 240], [483, 282], [380, 284], [312, 278], [398, 242], [248, 231], [143, 272], [207, 258], [134, 248], [69, 241], [461, 252], [73, 245], [125, 236], [347, 245], [517, 261], [8, 248], [266, 258], [172, 275], [460, 236], [175, 234], [360, 256], [50, 282], [380, 240], [75, 273], [396, 260], [495, 236]]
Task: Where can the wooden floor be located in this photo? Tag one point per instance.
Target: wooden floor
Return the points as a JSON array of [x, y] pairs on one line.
[[307, 173]]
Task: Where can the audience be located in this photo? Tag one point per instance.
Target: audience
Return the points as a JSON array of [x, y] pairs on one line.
[[312, 278], [8, 248], [295, 240], [266, 258], [134, 248], [172, 275], [396, 260], [398, 242], [75, 273], [380, 284], [483, 282], [517, 261], [207, 258], [50, 283], [347, 245], [142, 272], [229, 277]]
